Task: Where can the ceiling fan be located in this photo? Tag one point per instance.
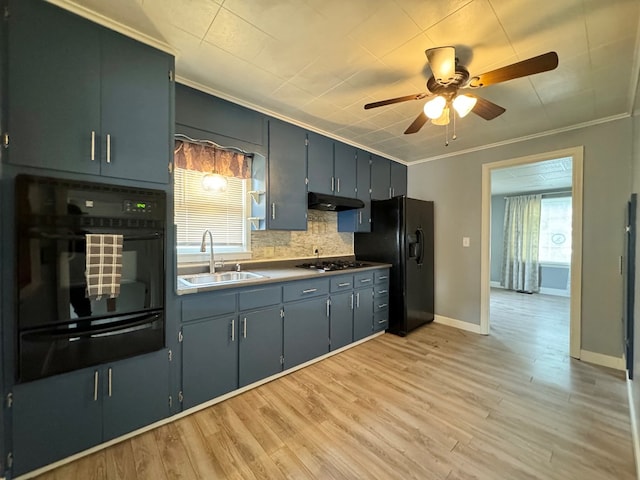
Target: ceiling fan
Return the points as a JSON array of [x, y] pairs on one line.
[[448, 77]]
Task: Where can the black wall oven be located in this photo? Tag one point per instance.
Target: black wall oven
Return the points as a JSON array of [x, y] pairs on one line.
[[60, 327]]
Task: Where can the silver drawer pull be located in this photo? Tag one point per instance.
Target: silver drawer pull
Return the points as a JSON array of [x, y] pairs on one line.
[[310, 290], [382, 305], [382, 277], [365, 280], [382, 321], [345, 284], [233, 329], [382, 291]]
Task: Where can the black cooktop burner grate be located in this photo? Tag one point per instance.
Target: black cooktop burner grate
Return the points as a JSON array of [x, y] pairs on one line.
[[332, 265]]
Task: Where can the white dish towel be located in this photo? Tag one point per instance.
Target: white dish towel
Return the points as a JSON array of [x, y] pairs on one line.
[[104, 265]]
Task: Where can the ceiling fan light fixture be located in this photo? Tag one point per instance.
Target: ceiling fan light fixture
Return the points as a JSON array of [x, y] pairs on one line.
[[463, 104], [443, 64], [214, 182], [434, 108], [442, 119]]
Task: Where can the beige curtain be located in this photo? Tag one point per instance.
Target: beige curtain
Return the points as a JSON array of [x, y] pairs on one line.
[[520, 267], [208, 158]]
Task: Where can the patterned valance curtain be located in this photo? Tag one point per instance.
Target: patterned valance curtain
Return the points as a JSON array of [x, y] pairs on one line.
[[208, 158], [520, 267]]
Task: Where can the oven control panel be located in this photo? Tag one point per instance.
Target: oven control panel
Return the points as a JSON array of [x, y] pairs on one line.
[[138, 206]]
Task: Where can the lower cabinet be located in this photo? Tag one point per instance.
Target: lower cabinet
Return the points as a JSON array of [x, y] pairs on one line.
[[65, 414], [209, 359], [362, 313], [306, 330], [260, 344], [341, 327]]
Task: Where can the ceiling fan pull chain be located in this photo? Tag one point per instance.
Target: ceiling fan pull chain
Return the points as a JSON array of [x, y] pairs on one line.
[[446, 135], [453, 114]]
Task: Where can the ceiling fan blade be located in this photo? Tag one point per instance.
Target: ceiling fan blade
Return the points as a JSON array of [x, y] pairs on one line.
[[486, 109], [417, 123], [541, 63], [406, 98]]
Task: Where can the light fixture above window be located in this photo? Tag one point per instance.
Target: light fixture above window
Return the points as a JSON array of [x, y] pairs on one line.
[[214, 182]]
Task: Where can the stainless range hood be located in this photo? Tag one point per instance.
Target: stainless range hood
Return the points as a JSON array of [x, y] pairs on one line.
[[332, 203]]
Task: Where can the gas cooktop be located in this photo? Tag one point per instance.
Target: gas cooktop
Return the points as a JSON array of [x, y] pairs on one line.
[[332, 265]]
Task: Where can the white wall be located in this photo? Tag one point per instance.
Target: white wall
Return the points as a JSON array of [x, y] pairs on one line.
[[454, 184]]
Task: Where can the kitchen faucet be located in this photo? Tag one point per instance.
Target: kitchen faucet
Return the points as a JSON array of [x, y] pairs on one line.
[[203, 248]]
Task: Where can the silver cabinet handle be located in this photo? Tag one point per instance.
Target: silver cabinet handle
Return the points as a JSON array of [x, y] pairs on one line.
[[382, 277], [382, 321], [333, 184], [382, 305], [93, 145], [382, 292], [358, 300], [393, 192], [233, 329], [338, 182], [108, 148], [352, 301], [273, 211], [390, 192], [244, 327], [95, 386], [310, 290], [360, 217], [365, 280], [328, 303], [109, 386], [345, 284]]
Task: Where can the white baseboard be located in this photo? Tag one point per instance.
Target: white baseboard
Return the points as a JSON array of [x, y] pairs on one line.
[[634, 425], [558, 292], [452, 322], [605, 360], [495, 284]]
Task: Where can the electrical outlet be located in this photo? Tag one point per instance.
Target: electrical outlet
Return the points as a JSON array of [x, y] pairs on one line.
[[314, 250], [466, 241]]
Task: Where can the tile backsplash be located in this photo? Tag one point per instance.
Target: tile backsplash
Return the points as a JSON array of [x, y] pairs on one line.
[[322, 232]]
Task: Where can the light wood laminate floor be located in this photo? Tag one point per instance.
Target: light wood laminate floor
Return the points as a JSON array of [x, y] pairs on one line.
[[438, 404]]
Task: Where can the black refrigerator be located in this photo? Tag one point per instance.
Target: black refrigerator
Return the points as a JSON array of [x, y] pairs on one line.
[[402, 235]]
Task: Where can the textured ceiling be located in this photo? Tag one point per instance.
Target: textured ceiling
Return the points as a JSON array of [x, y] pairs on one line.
[[532, 177], [317, 62]]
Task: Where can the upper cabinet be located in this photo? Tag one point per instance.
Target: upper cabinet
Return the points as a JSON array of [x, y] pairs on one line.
[[388, 178], [331, 166], [86, 99], [287, 190], [359, 220]]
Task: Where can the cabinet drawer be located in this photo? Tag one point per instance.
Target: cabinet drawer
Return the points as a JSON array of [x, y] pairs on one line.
[[343, 282], [259, 297], [381, 276], [381, 303], [364, 279], [201, 306], [381, 321], [305, 289], [380, 289]]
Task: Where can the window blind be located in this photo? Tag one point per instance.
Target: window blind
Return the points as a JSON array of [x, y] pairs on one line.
[[196, 210]]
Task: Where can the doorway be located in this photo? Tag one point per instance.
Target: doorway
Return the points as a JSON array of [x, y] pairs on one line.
[[576, 157]]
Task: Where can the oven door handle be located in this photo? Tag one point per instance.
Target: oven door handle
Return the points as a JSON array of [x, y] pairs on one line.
[[117, 328], [57, 236]]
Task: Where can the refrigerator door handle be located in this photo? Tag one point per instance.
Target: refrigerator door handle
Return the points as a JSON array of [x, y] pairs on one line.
[[420, 256]]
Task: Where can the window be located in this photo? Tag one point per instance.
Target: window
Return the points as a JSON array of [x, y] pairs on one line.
[[555, 230], [223, 213]]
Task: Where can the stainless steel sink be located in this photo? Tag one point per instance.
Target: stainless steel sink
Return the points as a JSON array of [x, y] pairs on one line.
[[209, 279]]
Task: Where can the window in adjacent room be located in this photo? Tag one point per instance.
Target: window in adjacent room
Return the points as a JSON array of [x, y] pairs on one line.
[[555, 230], [224, 213]]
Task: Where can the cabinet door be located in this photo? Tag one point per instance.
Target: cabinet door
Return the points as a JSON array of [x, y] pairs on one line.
[[363, 313], [398, 179], [260, 344], [306, 331], [341, 327], [136, 99], [380, 178], [287, 172], [209, 359], [135, 393], [359, 220], [345, 170], [54, 86], [56, 417], [320, 164]]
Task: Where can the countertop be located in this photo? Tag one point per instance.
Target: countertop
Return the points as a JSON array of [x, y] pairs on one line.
[[275, 274]]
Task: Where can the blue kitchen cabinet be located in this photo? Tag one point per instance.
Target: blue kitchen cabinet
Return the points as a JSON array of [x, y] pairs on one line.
[[260, 344], [363, 305], [61, 415], [320, 164], [345, 170], [209, 358], [359, 220], [380, 178], [287, 190], [398, 179], [381, 300], [85, 99], [341, 326], [306, 330]]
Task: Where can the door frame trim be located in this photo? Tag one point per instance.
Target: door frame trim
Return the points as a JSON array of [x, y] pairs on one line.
[[577, 156]]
